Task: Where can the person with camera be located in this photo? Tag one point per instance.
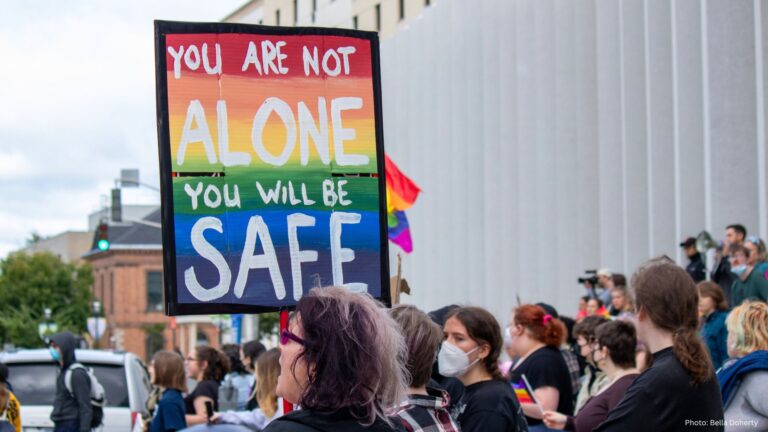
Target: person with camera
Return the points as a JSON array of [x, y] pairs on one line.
[[598, 284]]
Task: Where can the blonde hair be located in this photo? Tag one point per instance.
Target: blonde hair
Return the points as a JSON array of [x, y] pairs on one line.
[[267, 370], [749, 324]]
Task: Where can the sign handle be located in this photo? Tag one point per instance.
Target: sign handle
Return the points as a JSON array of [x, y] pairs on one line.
[[287, 406]]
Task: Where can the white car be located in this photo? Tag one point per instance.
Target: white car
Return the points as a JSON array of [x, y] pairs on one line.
[[33, 378]]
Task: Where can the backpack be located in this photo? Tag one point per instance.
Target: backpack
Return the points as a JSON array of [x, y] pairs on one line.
[[228, 395], [98, 398]]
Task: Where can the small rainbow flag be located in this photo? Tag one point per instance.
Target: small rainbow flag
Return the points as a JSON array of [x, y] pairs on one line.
[[401, 194], [521, 392]]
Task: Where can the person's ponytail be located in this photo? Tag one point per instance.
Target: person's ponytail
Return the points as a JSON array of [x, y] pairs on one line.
[[218, 363], [554, 332], [542, 326], [668, 296], [693, 355]]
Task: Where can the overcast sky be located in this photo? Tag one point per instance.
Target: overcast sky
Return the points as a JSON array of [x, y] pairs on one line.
[[77, 104]]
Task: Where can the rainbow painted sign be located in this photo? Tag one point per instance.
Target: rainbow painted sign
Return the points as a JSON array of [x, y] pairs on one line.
[[271, 162]]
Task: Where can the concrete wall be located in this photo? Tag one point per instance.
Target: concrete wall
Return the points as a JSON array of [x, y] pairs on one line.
[[552, 136], [69, 246]]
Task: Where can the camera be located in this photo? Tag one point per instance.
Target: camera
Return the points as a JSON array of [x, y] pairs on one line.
[[591, 277]]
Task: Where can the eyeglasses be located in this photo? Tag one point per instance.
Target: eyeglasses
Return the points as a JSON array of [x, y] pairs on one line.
[[190, 359], [287, 336]]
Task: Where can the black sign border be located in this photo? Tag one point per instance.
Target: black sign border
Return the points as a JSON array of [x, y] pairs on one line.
[[163, 28]]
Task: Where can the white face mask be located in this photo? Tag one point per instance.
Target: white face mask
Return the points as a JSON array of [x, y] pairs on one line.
[[452, 361]]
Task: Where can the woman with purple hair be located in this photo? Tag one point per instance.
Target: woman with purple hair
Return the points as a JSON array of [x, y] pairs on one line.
[[342, 359]]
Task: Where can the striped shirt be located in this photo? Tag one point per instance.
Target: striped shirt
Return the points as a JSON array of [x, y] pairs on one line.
[[427, 413]]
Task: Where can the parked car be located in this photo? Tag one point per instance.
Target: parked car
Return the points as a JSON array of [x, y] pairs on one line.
[[123, 376]]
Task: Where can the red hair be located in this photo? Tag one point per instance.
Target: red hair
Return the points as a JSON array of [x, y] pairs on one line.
[[542, 326]]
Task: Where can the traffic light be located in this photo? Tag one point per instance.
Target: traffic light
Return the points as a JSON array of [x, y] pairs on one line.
[[102, 236]]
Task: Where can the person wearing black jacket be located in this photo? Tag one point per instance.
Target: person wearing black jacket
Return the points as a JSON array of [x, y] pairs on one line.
[[71, 410], [695, 267], [721, 271], [679, 391]]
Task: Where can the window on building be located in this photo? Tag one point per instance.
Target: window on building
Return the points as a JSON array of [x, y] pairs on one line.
[[154, 291], [202, 339], [401, 9], [295, 12], [378, 17], [354, 23], [101, 282], [277, 17]]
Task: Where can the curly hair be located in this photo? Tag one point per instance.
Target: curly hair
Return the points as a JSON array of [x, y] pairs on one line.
[[217, 361], [748, 322], [354, 354]]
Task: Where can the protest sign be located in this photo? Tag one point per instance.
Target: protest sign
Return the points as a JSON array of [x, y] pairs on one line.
[[271, 165]]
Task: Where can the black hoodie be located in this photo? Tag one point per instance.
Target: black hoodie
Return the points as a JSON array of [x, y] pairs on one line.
[[75, 405]]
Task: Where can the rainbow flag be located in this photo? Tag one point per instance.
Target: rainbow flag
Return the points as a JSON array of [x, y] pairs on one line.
[[522, 393], [401, 194]]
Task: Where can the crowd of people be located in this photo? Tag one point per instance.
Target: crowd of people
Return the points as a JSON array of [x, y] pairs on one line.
[[666, 355], [664, 352]]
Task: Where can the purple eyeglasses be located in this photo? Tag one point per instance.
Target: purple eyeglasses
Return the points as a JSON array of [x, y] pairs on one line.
[[286, 336]]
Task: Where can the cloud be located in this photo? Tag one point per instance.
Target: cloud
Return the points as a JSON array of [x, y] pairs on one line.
[[78, 105]]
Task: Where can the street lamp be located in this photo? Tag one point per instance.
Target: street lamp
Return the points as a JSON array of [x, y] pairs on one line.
[[96, 309], [46, 327]]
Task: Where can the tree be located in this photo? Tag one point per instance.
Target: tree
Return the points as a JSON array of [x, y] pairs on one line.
[[269, 325], [29, 284], [34, 238]]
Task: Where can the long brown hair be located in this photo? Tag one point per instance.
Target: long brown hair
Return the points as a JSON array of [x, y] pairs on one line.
[[267, 370], [668, 295], [483, 328], [169, 370]]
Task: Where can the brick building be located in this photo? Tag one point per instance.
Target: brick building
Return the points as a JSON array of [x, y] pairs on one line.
[[128, 281]]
